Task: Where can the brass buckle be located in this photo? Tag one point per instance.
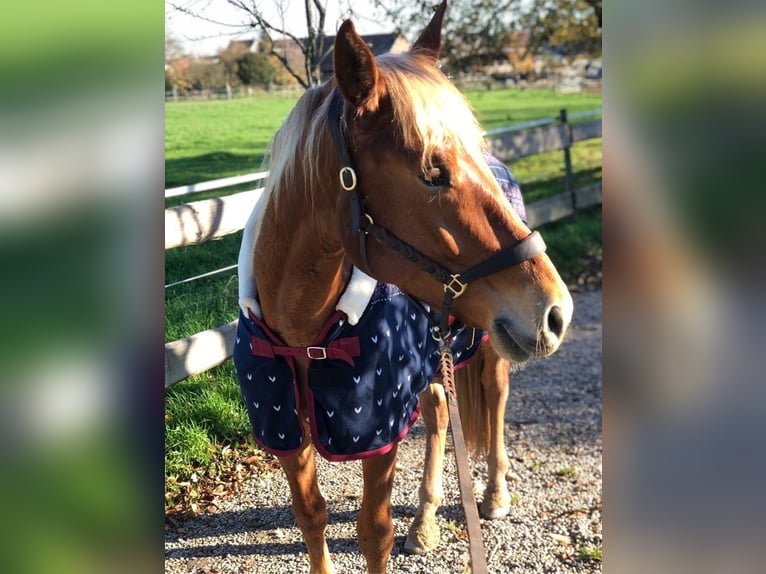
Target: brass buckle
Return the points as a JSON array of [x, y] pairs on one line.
[[351, 174], [322, 350], [458, 290]]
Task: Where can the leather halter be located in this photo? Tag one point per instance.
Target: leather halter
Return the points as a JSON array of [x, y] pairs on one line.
[[362, 224]]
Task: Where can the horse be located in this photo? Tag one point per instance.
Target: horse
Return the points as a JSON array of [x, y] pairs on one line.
[[380, 213]]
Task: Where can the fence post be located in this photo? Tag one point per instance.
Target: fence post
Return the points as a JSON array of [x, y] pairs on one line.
[[568, 173]]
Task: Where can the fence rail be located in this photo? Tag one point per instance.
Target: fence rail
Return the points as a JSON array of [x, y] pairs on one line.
[[199, 221], [215, 184], [198, 353], [541, 122]]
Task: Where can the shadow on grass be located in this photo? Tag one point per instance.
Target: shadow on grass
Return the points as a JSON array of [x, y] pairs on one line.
[[540, 189], [214, 165]]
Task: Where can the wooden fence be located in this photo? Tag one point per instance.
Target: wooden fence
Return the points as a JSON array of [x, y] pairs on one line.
[[199, 221]]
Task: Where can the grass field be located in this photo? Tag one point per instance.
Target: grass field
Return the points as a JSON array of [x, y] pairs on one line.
[[209, 139], [207, 431]]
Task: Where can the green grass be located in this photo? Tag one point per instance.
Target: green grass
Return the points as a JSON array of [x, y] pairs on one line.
[[207, 436], [205, 303], [218, 138], [206, 405], [207, 431], [566, 471], [590, 553], [499, 108], [574, 245], [200, 412], [542, 175], [212, 139]]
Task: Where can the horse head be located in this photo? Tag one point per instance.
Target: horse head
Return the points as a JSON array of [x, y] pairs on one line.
[[420, 172]]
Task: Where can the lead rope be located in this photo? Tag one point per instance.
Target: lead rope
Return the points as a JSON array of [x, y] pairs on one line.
[[473, 526]]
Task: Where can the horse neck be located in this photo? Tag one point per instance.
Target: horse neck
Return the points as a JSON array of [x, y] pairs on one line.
[[300, 268]]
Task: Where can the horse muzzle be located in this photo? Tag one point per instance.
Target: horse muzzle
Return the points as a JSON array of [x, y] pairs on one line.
[[520, 340]]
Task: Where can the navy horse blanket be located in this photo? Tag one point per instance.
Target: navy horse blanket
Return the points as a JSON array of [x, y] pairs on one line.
[[364, 378], [373, 358]]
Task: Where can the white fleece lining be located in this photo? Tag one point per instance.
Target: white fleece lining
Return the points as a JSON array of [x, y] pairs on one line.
[[357, 295], [353, 302], [245, 273]]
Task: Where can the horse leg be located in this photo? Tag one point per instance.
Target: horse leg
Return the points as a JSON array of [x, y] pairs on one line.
[[309, 506], [424, 533], [374, 526], [495, 383]]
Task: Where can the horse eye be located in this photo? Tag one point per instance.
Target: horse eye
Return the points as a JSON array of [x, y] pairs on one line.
[[436, 177]]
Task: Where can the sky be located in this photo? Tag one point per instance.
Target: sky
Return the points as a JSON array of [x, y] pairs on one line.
[[204, 37]]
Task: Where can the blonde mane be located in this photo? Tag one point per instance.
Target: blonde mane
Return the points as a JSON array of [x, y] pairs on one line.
[[430, 114]]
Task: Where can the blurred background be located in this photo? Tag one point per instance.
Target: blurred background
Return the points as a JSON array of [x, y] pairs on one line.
[[81, 145], [684, 392], [81, 169]]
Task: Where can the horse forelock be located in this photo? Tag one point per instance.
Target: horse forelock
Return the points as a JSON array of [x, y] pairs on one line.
[[428, 109]]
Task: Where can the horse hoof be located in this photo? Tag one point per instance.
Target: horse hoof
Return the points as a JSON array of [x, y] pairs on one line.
[[510, 475], [496, 503], [411, 547], [494, 512], [422, 538]]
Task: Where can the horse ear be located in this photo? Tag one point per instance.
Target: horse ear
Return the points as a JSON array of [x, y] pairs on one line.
[[430, 41], [355, 69]]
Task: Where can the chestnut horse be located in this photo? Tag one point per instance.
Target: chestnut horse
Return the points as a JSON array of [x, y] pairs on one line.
[[387, 148]]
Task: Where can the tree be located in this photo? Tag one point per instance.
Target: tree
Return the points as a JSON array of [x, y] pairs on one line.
[[277, 40], [479, 32], [176, 63], [311, 46], [474, 34], [230, 57], [184, 72], [205, 74], [173, 49], [567, 26], [255, 69]]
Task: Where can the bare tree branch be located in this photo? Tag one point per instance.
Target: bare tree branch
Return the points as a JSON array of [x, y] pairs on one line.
[[205, 18], [311, 46]]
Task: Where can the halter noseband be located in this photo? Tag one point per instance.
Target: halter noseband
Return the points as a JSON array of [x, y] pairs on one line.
[[362, 225]]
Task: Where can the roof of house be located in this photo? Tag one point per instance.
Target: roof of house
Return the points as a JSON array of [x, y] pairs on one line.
[[378, 43], [246, 43]]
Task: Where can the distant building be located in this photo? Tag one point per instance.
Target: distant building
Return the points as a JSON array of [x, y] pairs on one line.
[[378, 43], [249, 45], [289, 49]]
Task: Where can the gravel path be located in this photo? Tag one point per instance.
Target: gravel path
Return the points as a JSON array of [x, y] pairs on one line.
[[553, 436]]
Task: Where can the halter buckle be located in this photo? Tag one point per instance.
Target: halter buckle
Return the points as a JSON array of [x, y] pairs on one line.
[[347, 177], [321, 353], [456, 286]]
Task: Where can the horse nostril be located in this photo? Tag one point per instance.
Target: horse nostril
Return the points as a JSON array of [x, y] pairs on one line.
[[555, 321]]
